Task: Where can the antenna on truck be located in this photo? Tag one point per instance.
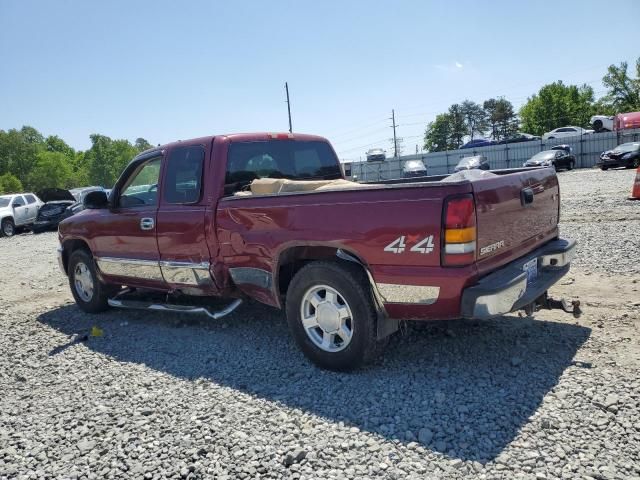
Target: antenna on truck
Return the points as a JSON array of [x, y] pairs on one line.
[[286, 87]]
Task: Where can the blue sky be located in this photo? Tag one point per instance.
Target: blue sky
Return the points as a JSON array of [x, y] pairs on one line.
[[167, 70]]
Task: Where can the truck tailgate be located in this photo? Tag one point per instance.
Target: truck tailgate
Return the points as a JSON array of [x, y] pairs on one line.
[[516, 213]]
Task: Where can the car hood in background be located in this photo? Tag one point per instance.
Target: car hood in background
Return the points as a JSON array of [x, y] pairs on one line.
[[55, 194]]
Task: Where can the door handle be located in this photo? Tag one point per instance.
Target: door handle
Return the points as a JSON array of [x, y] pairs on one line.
[[526, 196], [146, 223]]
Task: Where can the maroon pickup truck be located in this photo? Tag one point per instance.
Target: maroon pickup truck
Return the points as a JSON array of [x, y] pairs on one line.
[[270, 217]]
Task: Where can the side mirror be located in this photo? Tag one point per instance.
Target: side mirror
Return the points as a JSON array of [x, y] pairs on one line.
[[96, 200]]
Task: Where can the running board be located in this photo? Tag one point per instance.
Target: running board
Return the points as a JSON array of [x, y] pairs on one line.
[[168, 307]]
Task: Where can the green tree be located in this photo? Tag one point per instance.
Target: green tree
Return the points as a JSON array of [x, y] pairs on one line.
[[142, 144], [436, 136], [557, 105], [54, 143], [501, 118], [19, 150], [475, 118], [107, 158], [52, 170], [457, 127], [623, 91], [10, 184]]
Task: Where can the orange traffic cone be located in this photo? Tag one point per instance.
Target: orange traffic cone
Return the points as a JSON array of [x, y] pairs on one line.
[[635, 190]]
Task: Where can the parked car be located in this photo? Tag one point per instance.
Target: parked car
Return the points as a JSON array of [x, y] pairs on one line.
[[565, 132], [602, 123], [478, 142], [625, 155], [519, 137], [217, 226], [376, 155], [59, 204], [469, 163], [557, 158], [17, 210], [621, 121], [414, 168]]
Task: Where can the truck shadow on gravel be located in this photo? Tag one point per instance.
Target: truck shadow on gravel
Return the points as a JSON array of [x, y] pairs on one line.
[[462, 389]]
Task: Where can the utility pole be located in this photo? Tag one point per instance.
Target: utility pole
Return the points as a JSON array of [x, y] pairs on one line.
[[395, 141], [286, 87]]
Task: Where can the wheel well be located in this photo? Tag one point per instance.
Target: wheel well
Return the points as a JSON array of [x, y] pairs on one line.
[[70, 246], [8, 217], [293, 259]]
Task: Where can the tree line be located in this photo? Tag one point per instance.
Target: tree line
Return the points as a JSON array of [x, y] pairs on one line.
[[29, 161], [554, 105]]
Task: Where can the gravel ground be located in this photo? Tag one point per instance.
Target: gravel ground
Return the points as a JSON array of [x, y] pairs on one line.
[[163, 396]]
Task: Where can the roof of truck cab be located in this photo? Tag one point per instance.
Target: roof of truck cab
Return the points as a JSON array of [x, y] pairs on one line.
[[239, 137]]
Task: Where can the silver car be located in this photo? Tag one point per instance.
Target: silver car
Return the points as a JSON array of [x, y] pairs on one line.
[[17, 210]]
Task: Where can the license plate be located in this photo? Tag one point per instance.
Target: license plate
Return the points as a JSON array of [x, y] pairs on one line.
[[531, 267]]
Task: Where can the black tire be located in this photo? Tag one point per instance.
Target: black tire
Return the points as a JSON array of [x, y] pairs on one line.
[[97, 301], [634, 164], [7, 228], [604, 168], [597, 126], [352, 285], [570, 166]]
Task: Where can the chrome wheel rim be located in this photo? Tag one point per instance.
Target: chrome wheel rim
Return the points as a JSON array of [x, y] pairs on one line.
[[326, 318], [7, 229], [83, 281]]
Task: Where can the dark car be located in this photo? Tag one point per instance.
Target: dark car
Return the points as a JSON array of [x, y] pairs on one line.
[[625, 155], [58, 205], [414, 168], [476, 162], [518, 137], [478, 142], [557, 158]]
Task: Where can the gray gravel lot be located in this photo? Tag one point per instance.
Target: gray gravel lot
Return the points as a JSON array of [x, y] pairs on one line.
[[165, 396]]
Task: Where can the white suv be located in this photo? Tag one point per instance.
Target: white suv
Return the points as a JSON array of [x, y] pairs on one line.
[[565, 132], [17, 210]]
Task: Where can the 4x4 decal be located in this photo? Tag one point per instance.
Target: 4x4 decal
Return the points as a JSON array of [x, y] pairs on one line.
[[422, 246]]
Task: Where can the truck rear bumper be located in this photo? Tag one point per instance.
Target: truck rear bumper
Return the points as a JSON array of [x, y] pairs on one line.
[[507, 289]]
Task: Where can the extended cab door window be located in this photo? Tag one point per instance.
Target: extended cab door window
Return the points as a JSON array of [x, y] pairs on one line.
[[183, 177]]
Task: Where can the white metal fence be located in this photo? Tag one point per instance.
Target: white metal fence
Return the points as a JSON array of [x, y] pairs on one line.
[[586, 148]]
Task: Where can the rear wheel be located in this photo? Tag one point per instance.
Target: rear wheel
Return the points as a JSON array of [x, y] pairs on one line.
[[634, 164], [7, 228], [597, 125], [90, 294], [604, 168], [332, 315]]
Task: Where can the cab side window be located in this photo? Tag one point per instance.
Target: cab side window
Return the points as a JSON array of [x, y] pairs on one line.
[[30, 199], [183, 179], [18, 202], [141, 188]]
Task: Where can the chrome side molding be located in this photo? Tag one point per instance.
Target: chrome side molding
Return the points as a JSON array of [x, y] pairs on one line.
[[173, 272]]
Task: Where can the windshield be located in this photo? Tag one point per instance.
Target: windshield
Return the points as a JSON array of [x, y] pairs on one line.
[[539, 157], [4, 201], [628, 147]]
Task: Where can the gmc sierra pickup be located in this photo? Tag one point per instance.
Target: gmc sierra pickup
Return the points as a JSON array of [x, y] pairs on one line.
[[269, 217]]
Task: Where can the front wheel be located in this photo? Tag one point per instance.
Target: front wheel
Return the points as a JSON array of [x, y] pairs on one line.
[[90, 294], [332, 315], [604, 168], [8, 228]]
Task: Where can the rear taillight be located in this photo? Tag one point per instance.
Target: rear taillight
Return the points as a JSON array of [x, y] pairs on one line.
[[459, 231]]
